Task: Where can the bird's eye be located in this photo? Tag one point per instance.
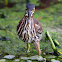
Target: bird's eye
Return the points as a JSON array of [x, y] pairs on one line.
[[27, 10], [33, 10]]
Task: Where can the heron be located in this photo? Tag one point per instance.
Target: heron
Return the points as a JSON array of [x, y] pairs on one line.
[[29, 30]]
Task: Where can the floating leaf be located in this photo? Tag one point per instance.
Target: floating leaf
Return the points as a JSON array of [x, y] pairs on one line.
[[53, 60], [9, 56], [39, 58]]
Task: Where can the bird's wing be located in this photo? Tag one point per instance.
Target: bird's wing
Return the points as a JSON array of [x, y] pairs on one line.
[[20, 27], [38, 28]]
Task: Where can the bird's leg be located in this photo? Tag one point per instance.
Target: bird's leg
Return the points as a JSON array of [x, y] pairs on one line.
[[37, 46], [28, 47]]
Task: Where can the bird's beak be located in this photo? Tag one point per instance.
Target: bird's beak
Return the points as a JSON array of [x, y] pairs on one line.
[[29, 14]]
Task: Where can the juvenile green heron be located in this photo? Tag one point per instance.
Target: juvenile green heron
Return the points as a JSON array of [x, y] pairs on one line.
[[29, 29]]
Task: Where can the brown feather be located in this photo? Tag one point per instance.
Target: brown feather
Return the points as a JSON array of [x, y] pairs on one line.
[[38, 28]]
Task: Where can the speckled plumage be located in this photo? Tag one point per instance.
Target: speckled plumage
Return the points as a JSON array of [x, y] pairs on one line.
[[30, 30]]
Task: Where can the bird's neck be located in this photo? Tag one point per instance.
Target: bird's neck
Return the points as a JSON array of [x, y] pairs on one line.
[[30, 21], [26, 14]]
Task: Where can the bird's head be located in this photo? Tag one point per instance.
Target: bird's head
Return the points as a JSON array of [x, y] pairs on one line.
[[30, 8]]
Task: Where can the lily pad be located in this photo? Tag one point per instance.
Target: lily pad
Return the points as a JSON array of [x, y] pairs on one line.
[[2, 60], [53, 60], [29, 61], [36, 57], [9, 56], [17, 60]]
